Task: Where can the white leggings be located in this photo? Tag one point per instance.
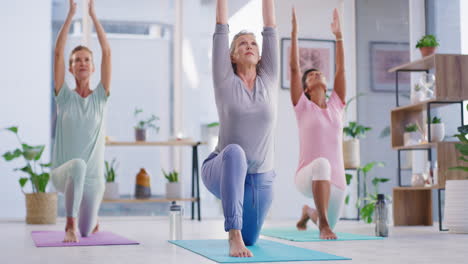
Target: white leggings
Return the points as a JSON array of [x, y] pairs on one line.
[[83, 193], [320, 170]]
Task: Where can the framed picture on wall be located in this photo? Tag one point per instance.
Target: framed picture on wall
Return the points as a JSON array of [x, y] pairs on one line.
[[313, 53], [386, 55]]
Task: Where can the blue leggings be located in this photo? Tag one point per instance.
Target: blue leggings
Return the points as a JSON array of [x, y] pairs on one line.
[[246, 198]]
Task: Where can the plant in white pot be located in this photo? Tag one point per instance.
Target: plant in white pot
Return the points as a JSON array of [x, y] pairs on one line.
[[41, 206], [143, 125], [412, 135], [173, 186], [351, 153], [112, 188], [437, 130]]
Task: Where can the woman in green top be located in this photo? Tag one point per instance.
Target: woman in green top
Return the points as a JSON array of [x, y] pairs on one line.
[[78, 154]]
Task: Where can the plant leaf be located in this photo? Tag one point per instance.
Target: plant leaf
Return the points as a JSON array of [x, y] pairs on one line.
[[13, 129], [459, 168], [22, 181], [348, 178], [347, 199], [8, 156], [463, 148]]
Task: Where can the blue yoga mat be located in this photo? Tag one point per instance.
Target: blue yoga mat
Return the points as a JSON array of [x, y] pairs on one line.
[[291, 233], [263, 251]]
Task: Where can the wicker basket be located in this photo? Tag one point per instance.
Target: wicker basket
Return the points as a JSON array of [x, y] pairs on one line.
[[41, 208]]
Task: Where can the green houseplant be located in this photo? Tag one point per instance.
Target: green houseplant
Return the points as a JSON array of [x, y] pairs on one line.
[[112, 187], [351, 150], [437, 129], [427, 45], [462, 147], [367, 202], [41, 206], [144, 124], [173, 186]]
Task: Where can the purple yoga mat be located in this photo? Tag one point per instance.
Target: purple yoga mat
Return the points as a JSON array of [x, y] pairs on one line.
[[55, 238]]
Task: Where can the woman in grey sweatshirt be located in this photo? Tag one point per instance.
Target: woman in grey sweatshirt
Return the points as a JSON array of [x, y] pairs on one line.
[[240, 171]]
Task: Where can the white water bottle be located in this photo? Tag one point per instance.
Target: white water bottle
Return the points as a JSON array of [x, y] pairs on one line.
[[175, 221]]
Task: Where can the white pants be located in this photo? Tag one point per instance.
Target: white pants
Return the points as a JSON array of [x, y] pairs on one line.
[[83, 194], [320, 170]]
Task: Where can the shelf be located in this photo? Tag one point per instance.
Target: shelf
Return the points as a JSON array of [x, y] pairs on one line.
[[183, 142], [419, 146], [411, 188], [418, 65], [423, 105], [149, 200]]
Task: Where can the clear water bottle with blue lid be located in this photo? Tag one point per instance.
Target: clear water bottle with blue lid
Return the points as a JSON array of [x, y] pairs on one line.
[[175, 221]]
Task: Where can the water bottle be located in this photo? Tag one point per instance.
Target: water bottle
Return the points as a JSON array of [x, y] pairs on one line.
[[381, 227], [175, 221]]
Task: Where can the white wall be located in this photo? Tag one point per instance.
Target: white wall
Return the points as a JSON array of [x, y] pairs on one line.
[[378, 21], [26, 85]]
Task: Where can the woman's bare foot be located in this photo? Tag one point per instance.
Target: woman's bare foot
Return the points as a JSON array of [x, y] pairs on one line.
[[326, 232], [96, 229], [302, 223], [71, 233], [236, 245]]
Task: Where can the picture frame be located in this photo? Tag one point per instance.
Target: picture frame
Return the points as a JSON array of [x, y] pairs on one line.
[[383, 56], [313, 53]]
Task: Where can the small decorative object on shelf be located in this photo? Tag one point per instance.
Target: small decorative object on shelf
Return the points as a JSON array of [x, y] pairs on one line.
[[143, 125], [412, 135], [112, 187], [417, 180], [437, 130], [427, 45], [142, 186], [427, 81], [173, 186], [417, 94]]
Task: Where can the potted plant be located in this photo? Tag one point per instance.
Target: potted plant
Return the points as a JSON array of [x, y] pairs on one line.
[[41, 206], [143, 125], [437, 129], [112, 188], [173, 186], [351, 153], [412, 135], [462, 147], [427, 45], [367, 202]]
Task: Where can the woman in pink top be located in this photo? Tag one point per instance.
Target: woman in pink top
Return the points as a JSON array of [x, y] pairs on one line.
[[321, 173]]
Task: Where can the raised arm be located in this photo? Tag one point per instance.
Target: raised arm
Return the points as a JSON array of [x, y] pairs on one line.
[[340, 80], [106, 66], [296, 86], [59, 57], [268, 10], [221, 12]]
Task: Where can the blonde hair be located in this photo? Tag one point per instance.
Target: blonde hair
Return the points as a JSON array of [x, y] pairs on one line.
[[75, 50], [232, 49]]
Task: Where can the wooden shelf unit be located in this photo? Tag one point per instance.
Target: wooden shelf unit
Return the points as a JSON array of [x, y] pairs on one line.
[[195, 199], [413, 205]]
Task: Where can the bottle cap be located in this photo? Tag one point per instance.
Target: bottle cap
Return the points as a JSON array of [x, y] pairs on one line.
[[380, 197], [175, 207]]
